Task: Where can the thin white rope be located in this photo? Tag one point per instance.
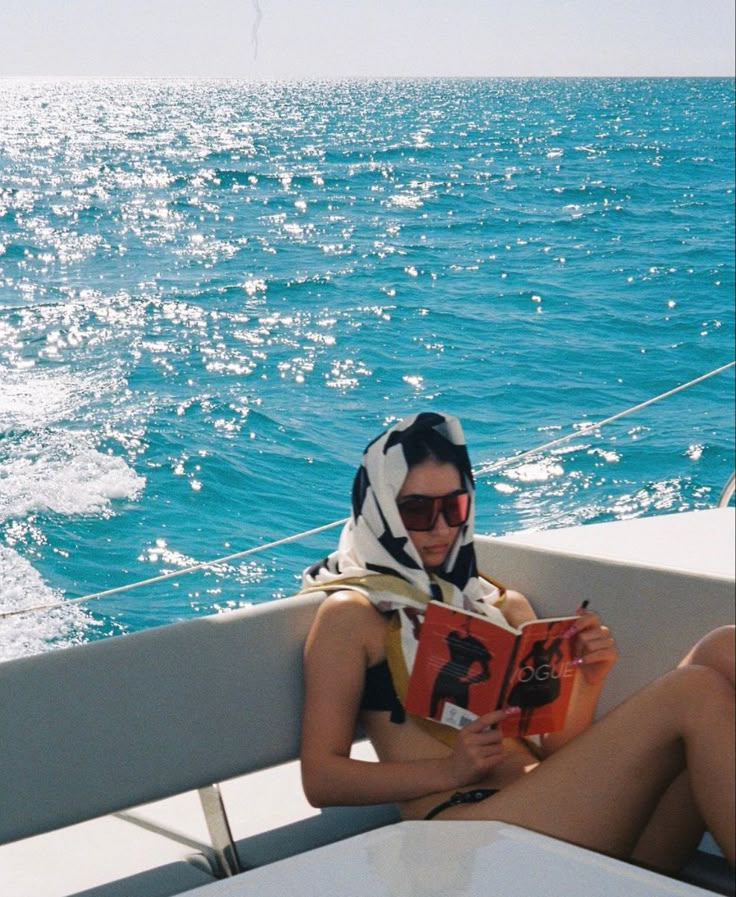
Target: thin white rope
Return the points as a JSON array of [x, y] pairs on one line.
[[173, 574], [488, 468], [479, 471]]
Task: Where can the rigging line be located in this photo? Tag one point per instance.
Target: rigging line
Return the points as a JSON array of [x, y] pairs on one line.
[[52, 605], [494, 465], [479, 471]]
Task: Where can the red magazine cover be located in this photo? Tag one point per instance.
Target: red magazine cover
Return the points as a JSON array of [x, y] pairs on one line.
[[466, 666]]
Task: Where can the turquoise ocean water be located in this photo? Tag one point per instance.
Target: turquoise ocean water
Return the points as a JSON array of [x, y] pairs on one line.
[[213, 294]]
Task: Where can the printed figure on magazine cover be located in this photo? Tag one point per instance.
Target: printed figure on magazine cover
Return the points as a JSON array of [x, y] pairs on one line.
[[454, 677]]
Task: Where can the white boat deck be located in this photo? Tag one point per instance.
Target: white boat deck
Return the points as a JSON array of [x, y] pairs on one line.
[[697, 542]]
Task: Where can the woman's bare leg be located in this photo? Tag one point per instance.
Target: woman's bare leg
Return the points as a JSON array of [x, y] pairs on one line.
[[716, 650], [676, 827], [674, 830], [601, 789]]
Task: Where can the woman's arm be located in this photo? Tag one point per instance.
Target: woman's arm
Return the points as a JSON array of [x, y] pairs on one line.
[[336, 656], [335, 659]]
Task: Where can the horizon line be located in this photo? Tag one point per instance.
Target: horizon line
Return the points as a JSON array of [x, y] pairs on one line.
[[293, 78]]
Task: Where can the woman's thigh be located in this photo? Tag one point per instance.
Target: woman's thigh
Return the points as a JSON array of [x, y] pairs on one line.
[[601, 789]]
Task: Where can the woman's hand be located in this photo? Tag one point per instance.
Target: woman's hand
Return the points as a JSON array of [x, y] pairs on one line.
[[594, 648], [478, 748], [594, 652]]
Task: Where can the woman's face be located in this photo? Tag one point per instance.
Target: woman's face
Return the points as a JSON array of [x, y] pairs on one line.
[[432, 479]]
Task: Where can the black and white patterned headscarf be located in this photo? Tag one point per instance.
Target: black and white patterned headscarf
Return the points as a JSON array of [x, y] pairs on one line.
[[375, 555]]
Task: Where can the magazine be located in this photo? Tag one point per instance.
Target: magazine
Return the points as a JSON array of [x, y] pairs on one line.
[[467, 665]]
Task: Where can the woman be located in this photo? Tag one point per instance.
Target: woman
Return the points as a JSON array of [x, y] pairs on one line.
[[641, 783]]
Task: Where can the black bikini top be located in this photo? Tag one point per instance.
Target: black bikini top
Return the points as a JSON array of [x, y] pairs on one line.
[[379, 692]]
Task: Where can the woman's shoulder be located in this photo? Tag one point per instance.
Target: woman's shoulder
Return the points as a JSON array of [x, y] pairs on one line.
[[346, 606], [517, 608], [346, 620]]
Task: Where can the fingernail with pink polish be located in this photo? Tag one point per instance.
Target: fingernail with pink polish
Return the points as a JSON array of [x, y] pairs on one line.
[[576, 661], [511, 711], [570, 631]]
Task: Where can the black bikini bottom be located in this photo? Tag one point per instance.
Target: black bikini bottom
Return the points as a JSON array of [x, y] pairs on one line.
[[462, 797]]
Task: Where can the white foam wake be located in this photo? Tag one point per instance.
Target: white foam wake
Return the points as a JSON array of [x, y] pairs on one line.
[[67, 479], [57, 472], [20, 586]]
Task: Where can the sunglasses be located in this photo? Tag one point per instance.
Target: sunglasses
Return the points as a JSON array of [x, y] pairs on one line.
[[420, 512]]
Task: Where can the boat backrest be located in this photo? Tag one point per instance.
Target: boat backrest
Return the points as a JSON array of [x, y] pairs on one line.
[[89, 730]]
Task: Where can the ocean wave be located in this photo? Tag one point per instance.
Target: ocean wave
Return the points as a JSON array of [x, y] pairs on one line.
[[13, 251], [63, 476], [21, 585]]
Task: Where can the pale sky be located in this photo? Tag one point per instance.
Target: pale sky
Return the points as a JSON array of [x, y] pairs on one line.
[[285, 39]]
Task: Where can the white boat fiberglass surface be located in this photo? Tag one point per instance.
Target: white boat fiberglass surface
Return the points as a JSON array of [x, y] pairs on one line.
[[159, 762]]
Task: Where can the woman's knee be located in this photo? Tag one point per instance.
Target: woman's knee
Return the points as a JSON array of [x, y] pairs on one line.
[[716, 650], [702, 693], [677, 702]]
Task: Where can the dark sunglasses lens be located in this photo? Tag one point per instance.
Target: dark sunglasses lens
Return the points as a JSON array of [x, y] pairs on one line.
[[455, 508], [418, 513]]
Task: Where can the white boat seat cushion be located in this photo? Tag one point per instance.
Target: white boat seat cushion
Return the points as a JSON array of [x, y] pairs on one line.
[[106, 857]]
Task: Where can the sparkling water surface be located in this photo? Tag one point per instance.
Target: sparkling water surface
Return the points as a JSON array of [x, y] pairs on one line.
[[213, 294]]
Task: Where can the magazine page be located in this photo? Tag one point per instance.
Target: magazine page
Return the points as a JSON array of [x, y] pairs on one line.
[[540, 679], [460, 666]]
